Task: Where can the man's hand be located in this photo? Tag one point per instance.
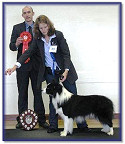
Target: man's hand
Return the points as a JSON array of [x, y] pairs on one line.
[[10, 70], [19, 40]]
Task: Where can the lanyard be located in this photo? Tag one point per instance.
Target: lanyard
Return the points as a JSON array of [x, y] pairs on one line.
[[54, 60]]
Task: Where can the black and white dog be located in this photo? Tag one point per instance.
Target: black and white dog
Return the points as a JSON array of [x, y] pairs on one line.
[[74, 107]]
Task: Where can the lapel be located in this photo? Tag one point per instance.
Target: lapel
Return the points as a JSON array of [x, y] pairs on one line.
[[41, 48], [54, 41], [22, 27]]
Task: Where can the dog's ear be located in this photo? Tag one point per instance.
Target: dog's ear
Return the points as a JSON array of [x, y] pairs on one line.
[[54, 81], [59, 88]]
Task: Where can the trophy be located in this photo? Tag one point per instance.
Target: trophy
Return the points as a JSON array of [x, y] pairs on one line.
[[28, 119]]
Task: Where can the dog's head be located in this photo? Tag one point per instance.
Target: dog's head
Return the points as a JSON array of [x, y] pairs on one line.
[[53, 88]]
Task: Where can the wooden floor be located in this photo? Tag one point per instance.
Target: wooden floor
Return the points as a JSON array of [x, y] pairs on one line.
[[10, 124]]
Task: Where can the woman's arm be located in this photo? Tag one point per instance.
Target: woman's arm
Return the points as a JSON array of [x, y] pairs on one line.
[[11, 70], [64, 50], [23, 57], [28, 53], [65, 54]]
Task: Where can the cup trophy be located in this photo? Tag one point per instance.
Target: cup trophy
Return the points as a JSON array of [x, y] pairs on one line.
[[28, 119]]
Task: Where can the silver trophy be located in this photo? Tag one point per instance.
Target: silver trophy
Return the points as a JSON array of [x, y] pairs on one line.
[[28, 119]]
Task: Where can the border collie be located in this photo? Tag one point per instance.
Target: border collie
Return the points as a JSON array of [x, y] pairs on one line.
[[75, 107]]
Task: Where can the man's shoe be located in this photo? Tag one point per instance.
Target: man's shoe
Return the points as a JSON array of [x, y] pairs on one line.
[[19, 125], [51, 130], [85, 129], [44, 125]]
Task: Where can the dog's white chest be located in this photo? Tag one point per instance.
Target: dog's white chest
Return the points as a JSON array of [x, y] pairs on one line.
[[54, 103], [58, 110]]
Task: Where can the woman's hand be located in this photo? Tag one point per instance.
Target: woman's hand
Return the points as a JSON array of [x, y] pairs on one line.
[[64, 75], [10, 70]]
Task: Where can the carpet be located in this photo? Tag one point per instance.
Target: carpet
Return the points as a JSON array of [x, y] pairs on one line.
[[42, 135]]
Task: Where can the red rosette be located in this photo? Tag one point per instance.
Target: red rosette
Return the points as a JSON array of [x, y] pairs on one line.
[[27, 37]]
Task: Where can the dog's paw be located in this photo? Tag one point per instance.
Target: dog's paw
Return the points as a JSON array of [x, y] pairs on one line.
[[111, 132], [63, 133], [104, 130], [69, 133]]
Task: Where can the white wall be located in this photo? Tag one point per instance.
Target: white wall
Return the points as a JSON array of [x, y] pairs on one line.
[[92, 33]]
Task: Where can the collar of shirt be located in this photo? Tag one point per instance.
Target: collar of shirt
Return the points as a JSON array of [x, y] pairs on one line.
[[43, 39], [48, 58], [27, 26]]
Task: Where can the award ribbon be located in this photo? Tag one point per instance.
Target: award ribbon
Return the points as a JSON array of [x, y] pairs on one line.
[[26, 39]]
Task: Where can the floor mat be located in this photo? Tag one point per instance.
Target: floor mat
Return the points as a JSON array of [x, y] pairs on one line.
[[41, 135]]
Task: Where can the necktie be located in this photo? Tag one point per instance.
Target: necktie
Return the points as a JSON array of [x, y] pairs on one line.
[[30, 31]]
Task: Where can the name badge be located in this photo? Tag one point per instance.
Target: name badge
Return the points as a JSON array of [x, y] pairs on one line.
[[53, 48]]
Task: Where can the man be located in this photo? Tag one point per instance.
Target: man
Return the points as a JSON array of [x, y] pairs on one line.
[[28, 70]]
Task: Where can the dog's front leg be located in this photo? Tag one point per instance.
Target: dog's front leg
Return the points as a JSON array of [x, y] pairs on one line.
[[66, 124]]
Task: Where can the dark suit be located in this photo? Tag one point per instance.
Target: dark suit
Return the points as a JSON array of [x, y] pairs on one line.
[[26, 71]]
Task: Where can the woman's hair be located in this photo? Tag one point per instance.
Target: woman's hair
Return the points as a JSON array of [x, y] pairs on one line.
[[43, 19]]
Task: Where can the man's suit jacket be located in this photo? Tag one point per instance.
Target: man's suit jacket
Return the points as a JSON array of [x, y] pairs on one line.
[[62, 56], [34, 60]]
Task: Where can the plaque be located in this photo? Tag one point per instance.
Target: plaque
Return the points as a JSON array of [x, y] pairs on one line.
[[28, 119]]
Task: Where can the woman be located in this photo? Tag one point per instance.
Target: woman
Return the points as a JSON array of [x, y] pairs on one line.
[[55, 61]]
